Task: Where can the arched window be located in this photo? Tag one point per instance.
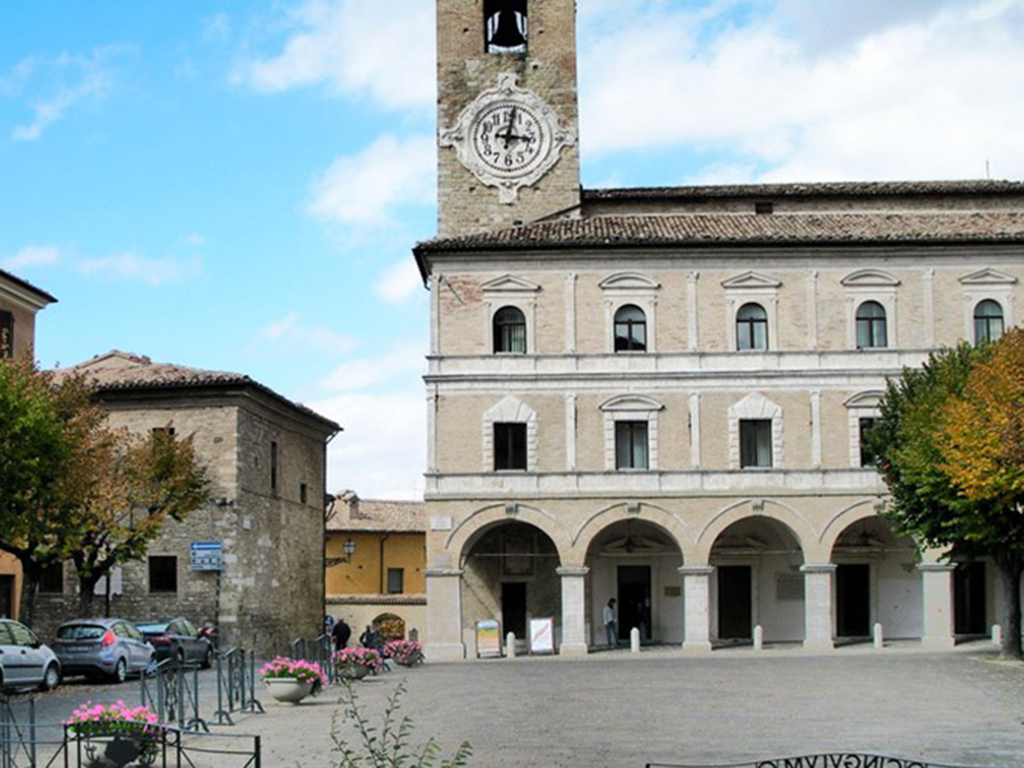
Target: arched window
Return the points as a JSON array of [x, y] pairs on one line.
[[510, 330], [988, 321], [630, 329], [751, 327], [871, 326]]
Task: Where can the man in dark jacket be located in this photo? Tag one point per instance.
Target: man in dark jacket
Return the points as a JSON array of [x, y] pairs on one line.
[[341, 633]]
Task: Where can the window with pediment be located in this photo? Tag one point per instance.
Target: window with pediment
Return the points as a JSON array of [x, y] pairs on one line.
[[871, 326], [631, 432], [510, 331], [755, 433], [751, 327], [630, 329], [988, 303], [752, 307], [988, 321], [871, 301]]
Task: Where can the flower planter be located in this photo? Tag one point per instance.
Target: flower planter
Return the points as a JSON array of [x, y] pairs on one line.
[[410, 660], [355, 671], [288, 690]]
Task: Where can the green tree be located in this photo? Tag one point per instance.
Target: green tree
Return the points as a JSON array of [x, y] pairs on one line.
[[41, 422], [129, 487], [912, 452], [981, 436]]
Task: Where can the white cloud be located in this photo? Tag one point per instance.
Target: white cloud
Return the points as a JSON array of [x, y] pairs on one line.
[[195, 239], [290, 334], [398, 282], [32, 256], [384, 50], [364, 189], [73, 79], [928, 90], [406, 362], [136, 268], [216, 28]]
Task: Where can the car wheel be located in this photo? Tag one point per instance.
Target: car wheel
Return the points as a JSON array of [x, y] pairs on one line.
[[120, 671], [51, 679], [208, 659]]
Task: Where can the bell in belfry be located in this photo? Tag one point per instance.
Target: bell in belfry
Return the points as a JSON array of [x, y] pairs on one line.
[[506, 25]]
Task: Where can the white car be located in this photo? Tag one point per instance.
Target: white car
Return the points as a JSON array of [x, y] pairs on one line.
[[24, 661]]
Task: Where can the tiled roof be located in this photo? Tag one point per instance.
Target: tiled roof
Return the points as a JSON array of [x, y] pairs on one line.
[[40, 293], [355, 514], [822, 189], [118, 371], [746, 229]]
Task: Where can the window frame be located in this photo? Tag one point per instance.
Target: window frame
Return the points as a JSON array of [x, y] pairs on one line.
[[6, 334], [629, 429], [509, 410], [750, 324], [863, 405], [870, 325], [171, 560], [753, 407], [48, 587], [753, 434], [630, 324], [514, 435], [987, 319], [401, 581], [630, 408], [867, 458], [524, 29], [499, 337]]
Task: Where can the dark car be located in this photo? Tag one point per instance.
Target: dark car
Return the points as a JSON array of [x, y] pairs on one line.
[[114, 648], [24, 661], [177, 639]]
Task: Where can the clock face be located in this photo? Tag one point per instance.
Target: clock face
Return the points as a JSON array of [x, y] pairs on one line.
[[509, 139]]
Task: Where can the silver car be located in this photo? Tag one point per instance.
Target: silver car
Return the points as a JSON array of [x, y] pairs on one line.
[[24, 661], [111, 648]]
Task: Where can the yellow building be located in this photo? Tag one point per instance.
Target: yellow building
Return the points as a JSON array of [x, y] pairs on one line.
[[19, 303], [376, 555]]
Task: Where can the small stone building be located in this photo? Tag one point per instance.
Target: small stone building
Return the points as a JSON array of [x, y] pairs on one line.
[[19, 303], [376, 556], [266, 458]]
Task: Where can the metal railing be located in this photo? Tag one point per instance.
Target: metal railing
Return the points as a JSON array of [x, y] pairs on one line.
[[236, 684], [172, 691], [158, 747]]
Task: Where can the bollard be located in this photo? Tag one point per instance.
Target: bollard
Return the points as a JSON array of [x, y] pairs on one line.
[[758, 637], [877, 635], [634, 640], [997, 635], [510, 644]]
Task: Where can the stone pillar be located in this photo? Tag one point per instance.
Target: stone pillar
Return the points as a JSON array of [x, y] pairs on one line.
[[697, 607], [937, 593], [574, 610], [818, 605], [444, 614]]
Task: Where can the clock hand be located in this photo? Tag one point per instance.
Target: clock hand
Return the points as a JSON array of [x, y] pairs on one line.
[[508, 135]]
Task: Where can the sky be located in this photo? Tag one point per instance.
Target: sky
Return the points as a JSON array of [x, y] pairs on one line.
[[238, 185]]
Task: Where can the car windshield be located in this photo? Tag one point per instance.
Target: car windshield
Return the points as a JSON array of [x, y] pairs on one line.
[[156, 628], [81, 632]]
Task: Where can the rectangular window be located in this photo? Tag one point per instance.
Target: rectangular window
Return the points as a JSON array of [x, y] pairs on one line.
[[6, 334], [303, 493], [867, 458], [163, 573], [509, 446], [51, 581], [755, 443], [273, 466], [631, 445], [164, 431], [396, 581]]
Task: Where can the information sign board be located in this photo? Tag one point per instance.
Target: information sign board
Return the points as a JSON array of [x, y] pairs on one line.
[[488, 638], [207, 555], [542, 635]]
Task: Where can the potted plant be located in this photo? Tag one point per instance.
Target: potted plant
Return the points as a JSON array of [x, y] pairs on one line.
[[357, 663], [405, 652], [291, 680], [127, 734]]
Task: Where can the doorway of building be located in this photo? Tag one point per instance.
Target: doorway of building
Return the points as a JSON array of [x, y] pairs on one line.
[[513, 608], [734, 602], [969, 599], [853, 589], [6, 597], [634, 600]]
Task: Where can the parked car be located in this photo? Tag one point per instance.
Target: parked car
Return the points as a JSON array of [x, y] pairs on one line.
[[178, 639], [112, 648], [24, 660]]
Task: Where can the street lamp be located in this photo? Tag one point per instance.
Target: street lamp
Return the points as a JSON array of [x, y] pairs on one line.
[[350, 548]]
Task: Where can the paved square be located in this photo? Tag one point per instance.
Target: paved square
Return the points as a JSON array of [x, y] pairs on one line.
[[623, 710]]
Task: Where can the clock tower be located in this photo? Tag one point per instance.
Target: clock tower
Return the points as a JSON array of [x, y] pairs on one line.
[[508, 149]]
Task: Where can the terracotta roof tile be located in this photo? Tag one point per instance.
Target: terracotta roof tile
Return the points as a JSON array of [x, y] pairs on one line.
[[701, 229], [355, 514]]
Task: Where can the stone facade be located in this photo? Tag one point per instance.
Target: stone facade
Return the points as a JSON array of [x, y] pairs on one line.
[[381, 582], [266, 460], [19, 303], [704, 464]]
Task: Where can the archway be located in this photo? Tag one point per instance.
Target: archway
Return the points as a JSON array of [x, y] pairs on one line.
[[510, 574], [876, 581], [637, 563], [757, 582]]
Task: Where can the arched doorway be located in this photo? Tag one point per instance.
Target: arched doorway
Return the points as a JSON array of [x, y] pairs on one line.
[[637, 563], [757, 582], [876, 581], [510, 574]]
